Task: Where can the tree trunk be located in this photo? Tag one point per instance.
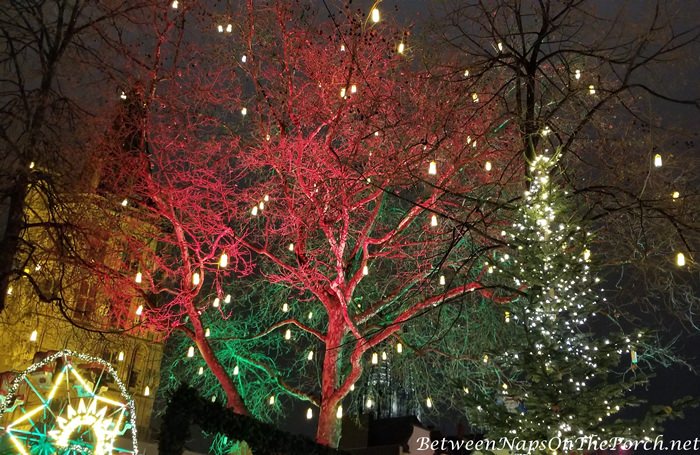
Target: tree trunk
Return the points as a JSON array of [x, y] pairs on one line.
[[329, 426], [233, 398], [10, 239]]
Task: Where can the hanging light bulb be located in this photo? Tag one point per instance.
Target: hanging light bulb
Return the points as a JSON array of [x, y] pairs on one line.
[[487, 166], [500, 47], [353, 88], [139, 310], [311, 315], [375, 15], [146, 391], [365, 270], [591, 89], [680, 259], [190, 351], [399, 348], [254, 211], [586, 254], [428, 403], [291, 247], [227, 299], [486, 358], [200, 371], [229, 28], [310, 356], [342, 92], [369, 403], [125, 202], [577, 74], [288, 334], [174, 4], [213, 398], [465, 389], [244, 58], [285, 307], [507, 316], [309, 414], [466, 73], [401, 48], [120, 357], [442, 280], [235, 370], [433, 221], [342, 48], [207, 333], [383, 355], [271, 401], [138, 278], [475, 97], [244, 111], [33, 336], [375, 358], [266, 198], [195, 279], [658, 162], [261, 205], [352, 387], [216, 303], [220, 28], [223, 261], [676, 195], [633, 356], [432, 168], [339, 412]]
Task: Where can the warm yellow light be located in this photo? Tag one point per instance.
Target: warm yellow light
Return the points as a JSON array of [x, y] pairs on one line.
[[383, 355], [195, 279], [254, 211], [375, 15], [33, 336], [291, 247], [507, 316], [309, 414], [369, 403], [220, 28], [339, 412], [475, 97], [207, 333], [31, 165], [676, 195], [200, 371], [216, 303], [466, 73], [342, 48], [432, 168], [227, 299], [223, 260], [365, 270], [125, 202], [229, 28], [146, 391], [311, 315], [500, 47], [310, 356], [465, 389], [342, 92], [401, 48], [353, 88], [285, 307], [658, 162], [190, 351], [428, 402], [442, 280], [577, 74], [399, 348], [139, 277], [271, 401], [266, 198], [433, 221], [120, 357], [139, 310], [288, 334], [488, 166], [235, 370], [680, 259], [375, 358], [486, 358], [586, 254], [591, 89]]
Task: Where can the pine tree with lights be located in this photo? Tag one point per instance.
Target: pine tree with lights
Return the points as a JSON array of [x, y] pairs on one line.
[[569, 369]]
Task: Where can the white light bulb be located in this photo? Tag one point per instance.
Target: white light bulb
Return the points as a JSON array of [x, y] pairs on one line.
[[401, 48], [271, 400], [200, 371], [244, 111], [311, 315], [139, 277], [244, 58], [146, 391], [658, 162], [433, 221], [195, 279], [309, 414], [254, 211], [353, 88], [190, 351], [33, 336], [577, 74], [442, 280], [220, 28], [120, 357], [139, 310], [591, 89], [229, 28], [235, 370], [285, 307], [488, 166], [125, 202], [223, 261], [288, 334], [680, 259], [339, 412], [365, 270], [369, 403], [227, 299], [432, 168], [399, 348], [342, 92], [174, 4], [428, 402], [310, 356], [375, 358], [375, 15], [291, 247], [216, 303], [676, 195]]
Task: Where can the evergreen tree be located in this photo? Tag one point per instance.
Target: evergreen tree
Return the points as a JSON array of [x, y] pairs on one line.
[[568, 370]]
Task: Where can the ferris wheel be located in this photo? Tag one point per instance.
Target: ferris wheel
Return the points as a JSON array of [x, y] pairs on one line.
[[67, 404]]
